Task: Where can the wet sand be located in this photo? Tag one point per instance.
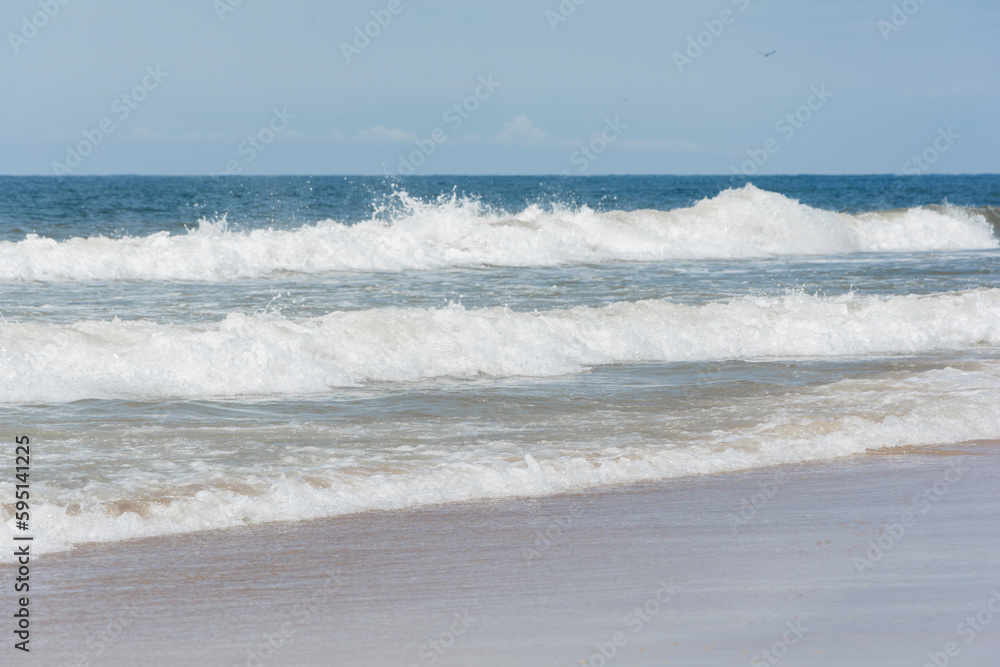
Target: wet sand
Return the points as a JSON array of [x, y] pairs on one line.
[[870, 560]]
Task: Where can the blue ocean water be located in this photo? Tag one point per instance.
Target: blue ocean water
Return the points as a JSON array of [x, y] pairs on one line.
[[192, 353]]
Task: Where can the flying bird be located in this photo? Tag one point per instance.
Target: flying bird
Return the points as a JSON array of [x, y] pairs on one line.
[[769, 53]]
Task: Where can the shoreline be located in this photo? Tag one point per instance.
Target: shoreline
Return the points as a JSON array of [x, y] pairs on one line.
[[819, 561]]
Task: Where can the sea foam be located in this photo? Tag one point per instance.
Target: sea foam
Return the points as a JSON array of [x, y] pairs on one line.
[[268, 354], [737, 223], [848, 417]]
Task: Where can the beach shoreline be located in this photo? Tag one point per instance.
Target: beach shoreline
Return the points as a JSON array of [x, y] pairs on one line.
[[711, 569]]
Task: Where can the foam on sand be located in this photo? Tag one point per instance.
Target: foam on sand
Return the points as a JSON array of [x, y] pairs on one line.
[[843, 418]]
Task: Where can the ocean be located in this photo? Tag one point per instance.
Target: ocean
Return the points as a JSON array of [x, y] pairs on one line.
[[197, 353]]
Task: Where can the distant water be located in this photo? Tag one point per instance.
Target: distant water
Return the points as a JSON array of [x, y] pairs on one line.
[[194, 353]]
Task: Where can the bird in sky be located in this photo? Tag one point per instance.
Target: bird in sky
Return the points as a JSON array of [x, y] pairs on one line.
[[769, 53]]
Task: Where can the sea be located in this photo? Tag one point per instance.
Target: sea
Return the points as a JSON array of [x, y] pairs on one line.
[[199, 353]]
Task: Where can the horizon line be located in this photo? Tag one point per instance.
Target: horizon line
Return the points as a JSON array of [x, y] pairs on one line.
[[446, 175]]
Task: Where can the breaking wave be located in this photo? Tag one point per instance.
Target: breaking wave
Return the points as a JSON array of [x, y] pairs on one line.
[[268, 354], [738, 223]]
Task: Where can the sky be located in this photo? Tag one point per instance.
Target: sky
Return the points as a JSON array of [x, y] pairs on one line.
[[587, 87]]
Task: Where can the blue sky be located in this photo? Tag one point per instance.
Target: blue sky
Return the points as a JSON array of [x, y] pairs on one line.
[[601, 87]]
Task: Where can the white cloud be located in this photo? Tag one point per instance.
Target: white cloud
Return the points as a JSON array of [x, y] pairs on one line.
[[522, 131], [382, 134]]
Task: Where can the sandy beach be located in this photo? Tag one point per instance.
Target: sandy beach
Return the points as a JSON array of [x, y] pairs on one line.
[[877, 559]]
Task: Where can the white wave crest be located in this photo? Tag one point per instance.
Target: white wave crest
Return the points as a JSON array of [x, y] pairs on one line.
[[267, 354], [740, 223]]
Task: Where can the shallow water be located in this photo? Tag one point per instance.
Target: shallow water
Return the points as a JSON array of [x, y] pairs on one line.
[[198, 353]]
